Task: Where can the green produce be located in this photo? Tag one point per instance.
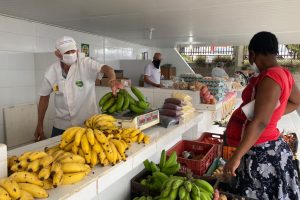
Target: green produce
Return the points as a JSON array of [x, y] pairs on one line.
[[136, 109], [143, 104], [126, 102], [143, 198], [120, 101], [108, 103], [112, 109], [138, 93], [105, 98]]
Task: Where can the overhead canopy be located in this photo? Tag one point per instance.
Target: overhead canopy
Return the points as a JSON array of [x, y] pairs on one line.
[[217, 22]]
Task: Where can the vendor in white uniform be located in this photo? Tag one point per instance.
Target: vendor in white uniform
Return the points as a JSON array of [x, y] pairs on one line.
[[72, 80], [219, 71], [152, 72]]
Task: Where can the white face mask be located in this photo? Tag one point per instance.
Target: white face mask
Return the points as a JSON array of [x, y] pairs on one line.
[[255, 68], [69, 59]]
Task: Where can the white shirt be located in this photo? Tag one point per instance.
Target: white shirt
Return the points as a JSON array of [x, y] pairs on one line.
[[153, 73], [75, 98], [218, 72]]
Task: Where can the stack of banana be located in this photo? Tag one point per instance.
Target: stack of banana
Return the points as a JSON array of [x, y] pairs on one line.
[[22, 186], [101, 141], [182, 188], [48, 169], [124, 101]]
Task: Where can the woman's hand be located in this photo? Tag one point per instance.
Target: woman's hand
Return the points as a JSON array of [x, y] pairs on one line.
[[231, 166], [115, 86]]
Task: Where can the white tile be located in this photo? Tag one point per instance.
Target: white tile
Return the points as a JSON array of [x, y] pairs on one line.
[[44, 45], [17, 95], [3, 168], [16, 42], [8, 24], [3, 152], [16, 60], [144, 153], [17, 78]]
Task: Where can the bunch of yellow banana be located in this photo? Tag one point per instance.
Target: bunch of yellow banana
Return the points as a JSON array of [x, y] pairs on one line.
[[23, 186], [101, 122], [56, 167], [132, 135]]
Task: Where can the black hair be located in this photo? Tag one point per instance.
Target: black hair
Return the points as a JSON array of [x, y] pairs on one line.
[[264, 43]]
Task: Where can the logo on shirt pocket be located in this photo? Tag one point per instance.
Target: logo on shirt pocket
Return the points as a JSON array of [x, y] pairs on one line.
[[79, 83], [55, 87]]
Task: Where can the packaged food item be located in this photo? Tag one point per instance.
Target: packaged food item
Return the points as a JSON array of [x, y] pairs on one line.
[[172, 106], [175, 101], [182, 96], [170, 113], [167, 121]]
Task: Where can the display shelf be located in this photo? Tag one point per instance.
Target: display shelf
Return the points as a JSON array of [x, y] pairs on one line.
[[102, 178]]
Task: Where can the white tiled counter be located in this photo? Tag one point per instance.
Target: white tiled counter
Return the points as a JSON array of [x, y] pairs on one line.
[[113, 182]]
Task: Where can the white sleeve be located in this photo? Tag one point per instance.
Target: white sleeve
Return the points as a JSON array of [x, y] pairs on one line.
[[93, 68], [148, 70], [46, 88]]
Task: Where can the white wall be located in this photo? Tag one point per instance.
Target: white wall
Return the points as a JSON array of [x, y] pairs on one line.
[[172, 56], [20, 39]]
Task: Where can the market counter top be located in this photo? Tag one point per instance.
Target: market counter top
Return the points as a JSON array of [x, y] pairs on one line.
[[101, 178]]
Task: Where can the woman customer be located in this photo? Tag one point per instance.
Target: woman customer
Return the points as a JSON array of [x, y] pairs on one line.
[[262, 162]]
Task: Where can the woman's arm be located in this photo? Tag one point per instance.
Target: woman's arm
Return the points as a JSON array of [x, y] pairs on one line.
[[294, 100], [267, 95]]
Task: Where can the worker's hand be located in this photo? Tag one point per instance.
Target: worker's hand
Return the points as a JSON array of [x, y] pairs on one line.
[[159, 85], [39, 134], [230, 167], [115, 86]]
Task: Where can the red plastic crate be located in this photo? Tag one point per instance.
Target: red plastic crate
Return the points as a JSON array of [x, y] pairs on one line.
[[198, 167], [218, 138]]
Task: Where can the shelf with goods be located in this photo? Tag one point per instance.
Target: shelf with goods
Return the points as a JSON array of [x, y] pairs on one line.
[[101, 179]]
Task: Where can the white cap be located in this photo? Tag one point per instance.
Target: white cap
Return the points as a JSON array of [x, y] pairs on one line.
[[65, 44]]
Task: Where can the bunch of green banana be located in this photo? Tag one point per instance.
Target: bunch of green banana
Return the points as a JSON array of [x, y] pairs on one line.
[[167, 166], [124, 101], [143, 198], [182, 188]]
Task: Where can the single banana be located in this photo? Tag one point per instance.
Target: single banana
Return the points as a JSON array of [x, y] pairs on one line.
[[48, 184], [134, 139], [74, 167], [11, 161], [57, 154], [94, 159], [80, 152], [36, 155], [102, 155], [58, 178], [26, 195], [34, 166], [56, 167], [119, 145], [4, 194], [23, 164], [68, 147], [26, 177], [35, 190], [100, 136], [74, 148], [46, 161], [96, 147], [78, 136], [73, 178], [15, 168], [88, 156], [108, 152], [146, 139], [64, 155], [69, 136], [140, 137], [90, 136], [72, 158], [134, 133], [105, 162], [125, 144], [45, 173], [85, 144], [24, 156], [11, 187], [51, 150]]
